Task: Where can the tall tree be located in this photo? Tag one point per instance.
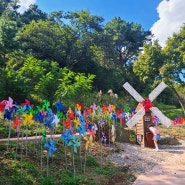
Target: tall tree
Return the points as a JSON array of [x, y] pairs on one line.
[[124, 40]]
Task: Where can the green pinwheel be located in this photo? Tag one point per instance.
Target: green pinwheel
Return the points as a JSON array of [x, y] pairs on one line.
[[74, 143]]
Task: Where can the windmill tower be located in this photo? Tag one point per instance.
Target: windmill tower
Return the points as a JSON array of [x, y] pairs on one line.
[[144, 109]]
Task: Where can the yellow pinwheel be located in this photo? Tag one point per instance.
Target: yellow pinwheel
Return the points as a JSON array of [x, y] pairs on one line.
[[89, 141], [77, 122], [28, 119]]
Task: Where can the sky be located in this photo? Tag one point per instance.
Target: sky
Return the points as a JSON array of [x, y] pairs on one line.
[[161, 17]]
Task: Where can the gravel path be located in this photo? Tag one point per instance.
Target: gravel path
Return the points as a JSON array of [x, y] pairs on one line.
[[141, 160]]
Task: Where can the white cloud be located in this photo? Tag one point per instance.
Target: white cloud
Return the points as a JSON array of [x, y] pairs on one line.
[[24, 5], [171, 18]]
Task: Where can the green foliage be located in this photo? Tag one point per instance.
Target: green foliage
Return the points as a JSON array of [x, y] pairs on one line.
[[91, 162]]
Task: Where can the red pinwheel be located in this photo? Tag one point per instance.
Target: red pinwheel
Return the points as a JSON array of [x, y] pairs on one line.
[[147, 104], [16, 123], [67, 123], [2, 105]]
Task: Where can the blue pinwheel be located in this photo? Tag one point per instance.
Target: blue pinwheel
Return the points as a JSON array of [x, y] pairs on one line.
[[81, 129], [50, 146], [48, 122], [66, 136], [114, 116], [8, 114], [39, 117], [59, 106], [89, 126]]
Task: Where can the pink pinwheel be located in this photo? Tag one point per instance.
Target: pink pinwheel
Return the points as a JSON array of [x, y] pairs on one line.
[[93, 107], [9, 103]]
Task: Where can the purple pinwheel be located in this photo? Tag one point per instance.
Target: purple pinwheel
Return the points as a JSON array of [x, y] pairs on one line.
[[103, 139], [9, 103], [50, 146], [59, 106], [66, 136], [101, 123]]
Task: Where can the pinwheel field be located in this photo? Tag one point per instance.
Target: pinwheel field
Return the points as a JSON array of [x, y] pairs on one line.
[[45, 145]]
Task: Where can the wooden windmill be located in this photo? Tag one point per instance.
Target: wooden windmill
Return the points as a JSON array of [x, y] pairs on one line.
[[143, 116]]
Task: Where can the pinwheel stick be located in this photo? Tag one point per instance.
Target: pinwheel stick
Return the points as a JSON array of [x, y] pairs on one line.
[[18, 133], [47, 170], [9, 134], [26, 140]]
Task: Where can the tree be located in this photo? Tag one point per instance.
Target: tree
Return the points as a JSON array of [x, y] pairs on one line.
[[123, 42], [33, 13], [173, 70]]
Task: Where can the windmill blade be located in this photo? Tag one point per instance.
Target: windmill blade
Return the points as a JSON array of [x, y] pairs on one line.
[[157, 91], [165, 121], [133, 92], [131, 122]]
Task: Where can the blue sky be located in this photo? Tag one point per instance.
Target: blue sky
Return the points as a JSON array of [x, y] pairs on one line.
[[144, 13], [162, 17]]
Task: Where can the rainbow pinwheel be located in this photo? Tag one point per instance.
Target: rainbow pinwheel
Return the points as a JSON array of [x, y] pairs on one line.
[[66, 136], [50, 146], [89, 141], [74, 143]]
